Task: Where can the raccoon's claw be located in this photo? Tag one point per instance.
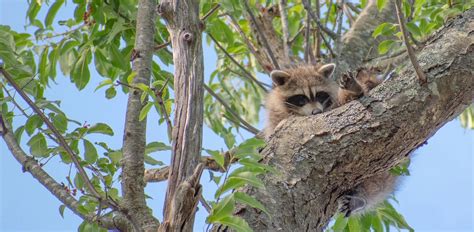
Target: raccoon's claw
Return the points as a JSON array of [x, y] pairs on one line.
[[348, 204], [346, 81]]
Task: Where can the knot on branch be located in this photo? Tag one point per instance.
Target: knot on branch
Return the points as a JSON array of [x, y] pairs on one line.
[[187, 36]]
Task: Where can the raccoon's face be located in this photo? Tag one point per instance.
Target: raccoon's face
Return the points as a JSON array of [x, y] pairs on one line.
[[306, 90]]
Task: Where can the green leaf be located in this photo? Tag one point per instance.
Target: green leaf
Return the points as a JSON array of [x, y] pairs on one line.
[[61, 210], [90, 152], [144, 111], [218, 157], [354, 225], [110, 92], [222, 209], [381, 4], [34, 122], [413, 29], [340, 223], [377, 224], [78, 182], [156, 146], [236, 223], [53, 10], [467, 118], [18, 133], [229, 184], [383, 29], [151, 161], [250, 201], [115, 156], [385, 46], [249, 148], [80, 73], [43, 66], [60, 122], [38, 146], [100, 128]]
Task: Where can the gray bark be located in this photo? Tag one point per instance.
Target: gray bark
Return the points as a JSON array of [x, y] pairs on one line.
[[185, 28], [322, 156], [134, 140]]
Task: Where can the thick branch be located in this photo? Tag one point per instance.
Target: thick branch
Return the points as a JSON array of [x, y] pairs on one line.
[[357, 43], [186, 37], [134, 139], [321, 157]]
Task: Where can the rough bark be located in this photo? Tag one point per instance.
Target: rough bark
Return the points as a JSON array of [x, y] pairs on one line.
[[358, 43], [134, 140], [321, 157], [185, 28]]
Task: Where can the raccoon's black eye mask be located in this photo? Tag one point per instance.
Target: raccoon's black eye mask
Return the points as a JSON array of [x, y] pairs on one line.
[[300, 100]]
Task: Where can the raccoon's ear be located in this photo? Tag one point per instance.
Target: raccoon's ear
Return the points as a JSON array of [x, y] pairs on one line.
[[327, 70], [279, 77]]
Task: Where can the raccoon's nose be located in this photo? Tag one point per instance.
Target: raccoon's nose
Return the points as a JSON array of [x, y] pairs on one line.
[[316, 111]]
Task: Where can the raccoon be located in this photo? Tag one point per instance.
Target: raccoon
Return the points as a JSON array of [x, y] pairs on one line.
[[310, 90]]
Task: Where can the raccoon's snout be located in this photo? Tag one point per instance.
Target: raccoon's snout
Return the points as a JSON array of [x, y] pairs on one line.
[[316, 111]]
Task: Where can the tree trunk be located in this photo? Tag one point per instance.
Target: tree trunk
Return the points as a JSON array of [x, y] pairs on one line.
[[185, 28], [134, 138], [320, 157]]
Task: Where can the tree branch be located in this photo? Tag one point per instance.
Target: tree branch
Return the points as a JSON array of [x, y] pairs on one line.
[[321, 157], [30, 165], [248, 75], [134, 139], [358, 41], [316, 19], [262, 37], [62, 141], [411, 53], [185, 29], [284, 27], [247, 125]]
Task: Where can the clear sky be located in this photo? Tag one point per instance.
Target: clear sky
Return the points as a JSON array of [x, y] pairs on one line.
[[438, 196]]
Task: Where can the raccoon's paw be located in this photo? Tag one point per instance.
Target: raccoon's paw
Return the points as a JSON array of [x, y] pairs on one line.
[[349, 204], [348, 82]]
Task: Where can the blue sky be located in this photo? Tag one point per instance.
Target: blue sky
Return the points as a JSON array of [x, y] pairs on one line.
[[438, 196]]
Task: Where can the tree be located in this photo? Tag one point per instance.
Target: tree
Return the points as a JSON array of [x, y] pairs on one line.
[[249, 38]]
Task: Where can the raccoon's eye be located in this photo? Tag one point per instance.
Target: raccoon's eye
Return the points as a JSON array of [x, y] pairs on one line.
[[298, 100], [321, 97]]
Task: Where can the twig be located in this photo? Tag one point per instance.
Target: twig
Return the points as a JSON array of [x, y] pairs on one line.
[[159, 96], [205, 204], [353, 7], [339, 20], [210, 12], [317, 35], [241, 120], [347, 12], [261, 35], [333, 55], [247, 73], [411, 53], [284, 27], [57, 134], [307, 34], [292, 40], [31, 165], [318, 21], [267, 86], [236, 26]]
